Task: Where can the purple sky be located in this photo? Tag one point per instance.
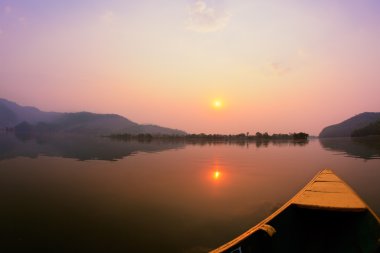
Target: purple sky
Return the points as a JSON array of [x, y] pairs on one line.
[[276, 66]]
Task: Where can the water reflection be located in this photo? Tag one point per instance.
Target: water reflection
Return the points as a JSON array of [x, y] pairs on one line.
[[84, 147], [77, 146], [246, 143], [280, 143], [365, 148], [216, 175], [189, 199]]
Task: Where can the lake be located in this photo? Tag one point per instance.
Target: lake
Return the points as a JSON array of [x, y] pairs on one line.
[[82, 194]]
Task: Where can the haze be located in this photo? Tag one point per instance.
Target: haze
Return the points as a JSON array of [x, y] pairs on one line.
[[276, 66]]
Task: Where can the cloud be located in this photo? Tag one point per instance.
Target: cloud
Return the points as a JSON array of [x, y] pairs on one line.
[[108, 17], [204, 18]]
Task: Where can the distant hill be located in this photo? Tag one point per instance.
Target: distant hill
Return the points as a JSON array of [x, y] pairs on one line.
[[347, 127], [370, 130], [31, 119], [12, 114]]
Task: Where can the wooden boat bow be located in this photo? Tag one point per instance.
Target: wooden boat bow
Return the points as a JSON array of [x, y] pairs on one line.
[[326, 203]]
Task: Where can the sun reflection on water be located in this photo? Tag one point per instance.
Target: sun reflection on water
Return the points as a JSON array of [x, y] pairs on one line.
[[216, 175]]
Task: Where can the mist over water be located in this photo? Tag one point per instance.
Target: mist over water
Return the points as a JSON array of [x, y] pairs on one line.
[[76, 194]]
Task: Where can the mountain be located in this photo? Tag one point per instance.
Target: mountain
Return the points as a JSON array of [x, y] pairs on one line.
[[154, 129], [370, 130], [347, 127], [12, 114], [31, 119]]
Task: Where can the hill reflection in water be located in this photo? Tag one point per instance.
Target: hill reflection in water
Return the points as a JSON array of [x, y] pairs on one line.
[[82, 147], [366, 148], [79, 147]]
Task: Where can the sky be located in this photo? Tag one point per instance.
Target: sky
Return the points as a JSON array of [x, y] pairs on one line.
[[227, 66]]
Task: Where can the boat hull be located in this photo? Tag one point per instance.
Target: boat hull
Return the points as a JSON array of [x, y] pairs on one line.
[[307, 230], [314, 227]]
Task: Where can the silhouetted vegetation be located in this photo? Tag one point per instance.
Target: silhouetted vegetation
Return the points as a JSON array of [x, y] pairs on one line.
[[371, 129], [300, 136], [23, 127], [242, 137]]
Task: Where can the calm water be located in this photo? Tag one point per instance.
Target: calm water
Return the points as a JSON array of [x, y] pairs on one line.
[[76, 194]]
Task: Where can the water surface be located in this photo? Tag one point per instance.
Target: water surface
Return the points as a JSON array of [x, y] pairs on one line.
[[76, 194]]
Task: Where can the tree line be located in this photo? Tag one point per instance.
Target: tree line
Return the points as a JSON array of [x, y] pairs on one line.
[[214, 137]]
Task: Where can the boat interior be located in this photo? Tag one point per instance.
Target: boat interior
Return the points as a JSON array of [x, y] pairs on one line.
[[299, 229]]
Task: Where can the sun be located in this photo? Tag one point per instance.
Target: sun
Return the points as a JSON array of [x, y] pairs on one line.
[[217, 104]]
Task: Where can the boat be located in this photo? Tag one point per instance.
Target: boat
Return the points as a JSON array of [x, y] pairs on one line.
[[325, 216]]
